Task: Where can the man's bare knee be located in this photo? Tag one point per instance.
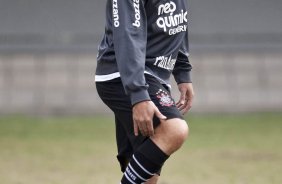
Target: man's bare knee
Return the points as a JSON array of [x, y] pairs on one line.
[[171, 134], [179, 132]]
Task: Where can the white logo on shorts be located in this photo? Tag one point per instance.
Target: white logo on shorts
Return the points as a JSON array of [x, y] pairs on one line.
[[164, 98]]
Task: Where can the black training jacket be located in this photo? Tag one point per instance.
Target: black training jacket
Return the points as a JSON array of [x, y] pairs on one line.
[[144, 36]]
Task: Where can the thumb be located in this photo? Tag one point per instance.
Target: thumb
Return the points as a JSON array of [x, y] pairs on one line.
[[159, 114]]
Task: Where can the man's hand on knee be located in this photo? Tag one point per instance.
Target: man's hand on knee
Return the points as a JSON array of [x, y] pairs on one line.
[[143, 113]]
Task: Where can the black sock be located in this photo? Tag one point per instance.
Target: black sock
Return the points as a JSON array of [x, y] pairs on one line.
[[145, 162]]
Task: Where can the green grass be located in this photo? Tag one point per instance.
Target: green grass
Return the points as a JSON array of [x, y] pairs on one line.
[[225, 149]]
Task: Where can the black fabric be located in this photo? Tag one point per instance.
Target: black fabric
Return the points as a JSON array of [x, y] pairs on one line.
[[153, 153], [135, 170], [113, 95], [146, 162]]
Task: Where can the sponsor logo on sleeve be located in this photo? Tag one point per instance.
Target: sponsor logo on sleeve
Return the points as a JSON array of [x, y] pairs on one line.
[[136, 5], [165, 62], [170, 21], [115, 13]]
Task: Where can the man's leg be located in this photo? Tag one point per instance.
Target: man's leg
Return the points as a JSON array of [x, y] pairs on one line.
[[168, 137], [153, 180], [153, 151], [163, 138]]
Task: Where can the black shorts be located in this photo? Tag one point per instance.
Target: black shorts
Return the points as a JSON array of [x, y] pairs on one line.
[[113, 95]]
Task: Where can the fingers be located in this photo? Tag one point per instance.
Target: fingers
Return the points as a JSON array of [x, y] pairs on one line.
[[188, 104], [159, 114], [186, 107], [135, 126], [145, 127], [143, 114], [186, 97], [182, 100], [150, 129], [182, 103]]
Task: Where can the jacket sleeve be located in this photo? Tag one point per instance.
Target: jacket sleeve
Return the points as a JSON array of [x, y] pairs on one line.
[[130, 39], [182, 68]]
